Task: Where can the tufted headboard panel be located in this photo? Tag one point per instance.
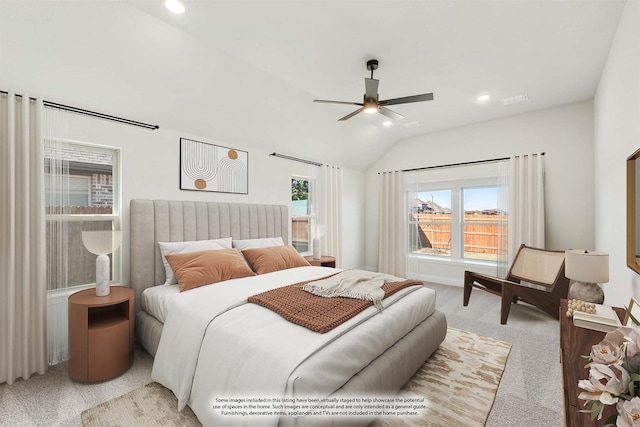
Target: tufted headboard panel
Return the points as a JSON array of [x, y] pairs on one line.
[[153, 221]]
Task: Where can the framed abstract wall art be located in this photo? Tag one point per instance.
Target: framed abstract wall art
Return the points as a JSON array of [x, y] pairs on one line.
[[209, 167]]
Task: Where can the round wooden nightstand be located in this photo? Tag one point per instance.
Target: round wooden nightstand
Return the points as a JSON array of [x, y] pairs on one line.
[[324, 261], [100, 334]]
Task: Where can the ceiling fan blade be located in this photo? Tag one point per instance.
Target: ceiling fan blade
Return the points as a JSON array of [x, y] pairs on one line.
[[336, 102], [348, 116], [371, 88], [408, 99], [391, 114]]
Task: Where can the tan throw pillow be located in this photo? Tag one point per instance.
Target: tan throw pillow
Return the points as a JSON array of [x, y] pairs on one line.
[[274, 258], [201, 268], [171, 248]]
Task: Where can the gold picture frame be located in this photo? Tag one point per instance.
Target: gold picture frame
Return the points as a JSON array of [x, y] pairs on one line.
[[634, 310]]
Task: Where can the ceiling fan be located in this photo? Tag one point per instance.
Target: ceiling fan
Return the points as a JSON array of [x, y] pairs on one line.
[[371, 104]]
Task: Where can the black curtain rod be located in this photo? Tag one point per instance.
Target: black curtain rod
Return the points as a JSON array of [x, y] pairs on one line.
[[76, 110], [295, 159], [499, 159]]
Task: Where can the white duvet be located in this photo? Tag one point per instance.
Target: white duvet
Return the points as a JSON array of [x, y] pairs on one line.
[[216, 345]]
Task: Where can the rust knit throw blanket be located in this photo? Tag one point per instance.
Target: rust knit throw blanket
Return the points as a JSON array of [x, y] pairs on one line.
[[319, 314]]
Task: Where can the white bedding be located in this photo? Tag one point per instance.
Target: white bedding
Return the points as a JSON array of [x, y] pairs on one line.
[[155, 300], [215, 344]]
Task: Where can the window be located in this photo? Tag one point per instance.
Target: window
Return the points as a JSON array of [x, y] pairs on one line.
[[300, 213], [82, 193], [458, 220], [431, 222], [78, 191], [483, 224]]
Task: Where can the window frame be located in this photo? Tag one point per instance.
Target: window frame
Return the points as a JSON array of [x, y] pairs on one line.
[[463, 223], [310, 216], [114, 216], [436, 188], [456, 187]]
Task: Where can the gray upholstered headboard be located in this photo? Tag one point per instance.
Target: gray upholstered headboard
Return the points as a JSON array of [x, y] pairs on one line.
[[153, 221]]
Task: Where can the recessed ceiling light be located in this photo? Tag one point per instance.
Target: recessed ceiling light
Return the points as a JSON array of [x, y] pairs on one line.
[[413, 124], [515, 99], [175, 6], [483, 98], [386, 124]]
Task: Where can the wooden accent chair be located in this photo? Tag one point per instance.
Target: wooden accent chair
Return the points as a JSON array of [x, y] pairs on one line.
[[536, 277]]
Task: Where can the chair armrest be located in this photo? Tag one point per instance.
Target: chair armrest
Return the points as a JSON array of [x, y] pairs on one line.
[[473, 276]]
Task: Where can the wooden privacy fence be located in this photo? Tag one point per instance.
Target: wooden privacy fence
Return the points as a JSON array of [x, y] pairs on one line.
[[300, 229], [64, 242], [481, 232]]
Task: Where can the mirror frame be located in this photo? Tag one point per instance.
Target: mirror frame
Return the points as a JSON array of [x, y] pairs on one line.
[[632, 263]]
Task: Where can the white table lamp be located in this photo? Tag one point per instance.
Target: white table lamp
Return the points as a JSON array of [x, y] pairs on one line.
[[102, 243], [586, 269]]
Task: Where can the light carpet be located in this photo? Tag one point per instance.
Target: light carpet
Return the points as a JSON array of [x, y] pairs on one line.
[[458, 383]]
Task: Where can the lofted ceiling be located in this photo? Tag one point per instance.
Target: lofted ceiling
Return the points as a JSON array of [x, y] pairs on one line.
[[246, 72]]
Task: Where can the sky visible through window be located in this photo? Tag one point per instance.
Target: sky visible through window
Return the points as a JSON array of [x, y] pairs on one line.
[[475, 199]]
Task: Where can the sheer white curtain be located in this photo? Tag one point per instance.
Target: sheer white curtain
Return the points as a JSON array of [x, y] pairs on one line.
[[57, 232], [329, 211], [503, 263], [526, 202], [23, 349], [392, 245], [414, 240]]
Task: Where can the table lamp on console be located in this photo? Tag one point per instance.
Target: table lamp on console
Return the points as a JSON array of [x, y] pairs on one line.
[[102, 243], [586, 269]]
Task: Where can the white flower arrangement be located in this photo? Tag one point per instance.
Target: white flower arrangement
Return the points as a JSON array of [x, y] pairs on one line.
[[614, 377]]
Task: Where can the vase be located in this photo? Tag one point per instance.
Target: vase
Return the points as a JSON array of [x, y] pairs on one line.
[[316, 248], [102, 276]]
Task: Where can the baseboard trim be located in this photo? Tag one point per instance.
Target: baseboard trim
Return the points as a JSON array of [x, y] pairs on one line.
[[438, 279]]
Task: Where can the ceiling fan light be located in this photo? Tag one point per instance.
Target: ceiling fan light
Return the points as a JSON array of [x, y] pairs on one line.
[[370, 107]]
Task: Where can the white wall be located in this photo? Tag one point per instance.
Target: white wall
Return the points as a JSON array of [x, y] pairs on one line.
[[564, 133], [617, 136], [353, 214], [150, 170]]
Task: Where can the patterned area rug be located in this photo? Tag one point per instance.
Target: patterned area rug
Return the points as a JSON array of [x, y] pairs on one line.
[[458, 383], [148, 406]]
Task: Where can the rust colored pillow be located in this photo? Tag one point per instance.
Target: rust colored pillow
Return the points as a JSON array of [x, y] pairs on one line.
[[193, 269], [274, 258]]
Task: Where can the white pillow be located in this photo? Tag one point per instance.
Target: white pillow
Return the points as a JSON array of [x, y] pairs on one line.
[[170, 248], [241, 245]]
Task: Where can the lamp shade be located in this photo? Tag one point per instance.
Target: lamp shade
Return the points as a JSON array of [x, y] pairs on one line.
[[587, 266], [101, 242]]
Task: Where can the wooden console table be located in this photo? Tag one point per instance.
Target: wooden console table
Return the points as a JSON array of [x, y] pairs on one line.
[[574, 343]]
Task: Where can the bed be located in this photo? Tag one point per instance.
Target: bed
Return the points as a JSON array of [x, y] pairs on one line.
[[241, 349]]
